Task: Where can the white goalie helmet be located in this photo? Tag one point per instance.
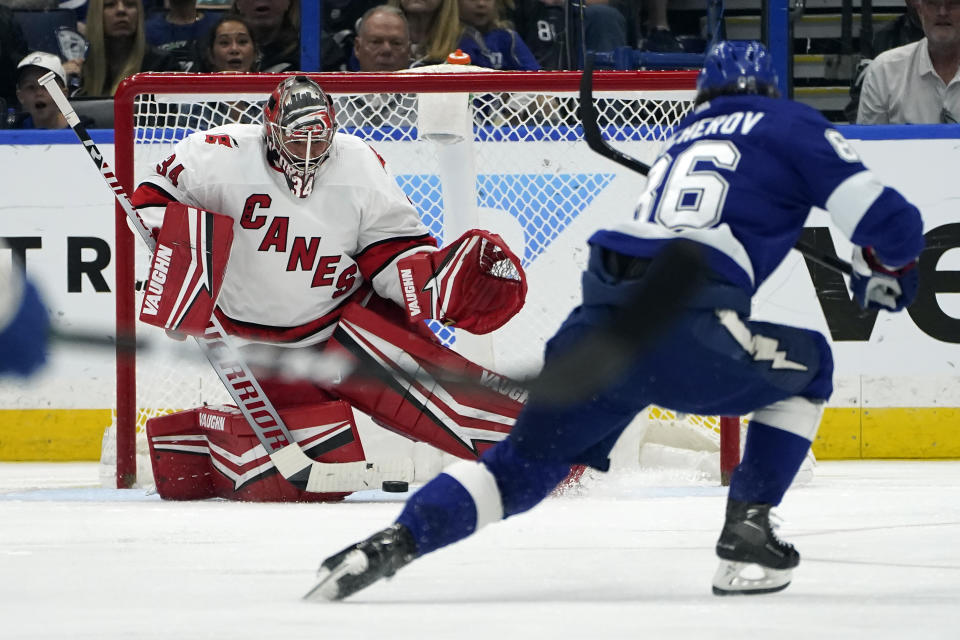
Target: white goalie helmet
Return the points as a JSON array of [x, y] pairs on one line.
[[299, 124]]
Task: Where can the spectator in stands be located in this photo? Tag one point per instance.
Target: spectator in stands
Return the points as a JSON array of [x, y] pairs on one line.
[[118, 47], [659, 37], [80, 10], [340, 20], [178, 30], [382, 42], [13, 46], [45, 27], [543, 26], [230, 46], [489, 40], [30, 5], [918, 82], [903, 30], [382, 45], [435, 28], [276, 26], [39, 110]]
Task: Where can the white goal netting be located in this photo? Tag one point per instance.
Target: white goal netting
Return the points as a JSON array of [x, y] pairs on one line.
[[502, 152]]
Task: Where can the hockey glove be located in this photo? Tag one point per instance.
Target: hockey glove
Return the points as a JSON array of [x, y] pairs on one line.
[[879, 286], [476, 283]]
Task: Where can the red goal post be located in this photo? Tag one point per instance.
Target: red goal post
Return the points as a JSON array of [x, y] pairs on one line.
[[523, 171]]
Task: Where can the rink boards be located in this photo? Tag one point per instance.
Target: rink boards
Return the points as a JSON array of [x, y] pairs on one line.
[[897, 391]]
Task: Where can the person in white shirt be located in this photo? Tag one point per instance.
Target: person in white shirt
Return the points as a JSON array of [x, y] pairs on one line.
[[918, 82]]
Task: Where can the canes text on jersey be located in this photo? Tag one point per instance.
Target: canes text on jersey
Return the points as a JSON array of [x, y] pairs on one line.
[[302, 251]]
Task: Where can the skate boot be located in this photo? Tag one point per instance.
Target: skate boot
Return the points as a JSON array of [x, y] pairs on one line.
[[360, 565], [752, 559]]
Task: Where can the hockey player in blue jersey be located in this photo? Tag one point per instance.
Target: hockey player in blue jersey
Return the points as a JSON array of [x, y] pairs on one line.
[[24, 323], [738, 178]]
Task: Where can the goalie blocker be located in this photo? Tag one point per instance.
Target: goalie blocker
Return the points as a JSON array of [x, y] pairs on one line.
[[212, 452], [186, 272]]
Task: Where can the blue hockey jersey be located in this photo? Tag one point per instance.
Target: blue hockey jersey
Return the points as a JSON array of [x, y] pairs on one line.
[[740, 174], [501, 49]]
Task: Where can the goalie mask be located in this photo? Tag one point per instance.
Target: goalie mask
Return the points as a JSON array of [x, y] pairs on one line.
[[299, 125]]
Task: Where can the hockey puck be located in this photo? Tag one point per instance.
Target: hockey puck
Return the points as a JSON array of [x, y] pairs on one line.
[[395, 486]]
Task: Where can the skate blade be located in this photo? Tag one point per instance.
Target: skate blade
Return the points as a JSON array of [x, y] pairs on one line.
[[328, 580], [729, 580]]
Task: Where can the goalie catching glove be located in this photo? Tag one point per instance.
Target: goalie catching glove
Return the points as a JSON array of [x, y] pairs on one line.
[[879, 286], [476, 283], [187, 269]]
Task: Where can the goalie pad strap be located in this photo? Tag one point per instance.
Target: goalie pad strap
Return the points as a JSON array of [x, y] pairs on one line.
[[187, 269]]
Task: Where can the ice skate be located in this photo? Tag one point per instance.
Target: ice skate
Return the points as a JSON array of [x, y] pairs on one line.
[[752, 559], [360, 565]]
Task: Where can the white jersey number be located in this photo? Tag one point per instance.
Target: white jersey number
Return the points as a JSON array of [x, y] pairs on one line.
[[692, 197]]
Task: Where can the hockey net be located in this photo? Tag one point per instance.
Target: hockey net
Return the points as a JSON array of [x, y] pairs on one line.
[[500, 151]]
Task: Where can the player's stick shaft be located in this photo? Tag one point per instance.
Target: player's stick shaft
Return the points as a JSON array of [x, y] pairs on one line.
[[594, 139], [263, 418]]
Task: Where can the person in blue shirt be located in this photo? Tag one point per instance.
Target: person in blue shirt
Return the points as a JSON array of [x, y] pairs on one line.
[[490, 42], [178, 30], [737, 180], [24, 322]]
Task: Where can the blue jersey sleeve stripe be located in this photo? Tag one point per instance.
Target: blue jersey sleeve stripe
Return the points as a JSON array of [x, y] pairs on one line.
[[851, 200], [481, 484], [893, 227]]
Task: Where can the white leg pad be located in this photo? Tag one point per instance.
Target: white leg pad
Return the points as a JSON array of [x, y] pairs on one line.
[[796, 415], [482, 487]]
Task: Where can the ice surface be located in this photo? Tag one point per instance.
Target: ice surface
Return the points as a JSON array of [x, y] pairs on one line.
[[629, 556]]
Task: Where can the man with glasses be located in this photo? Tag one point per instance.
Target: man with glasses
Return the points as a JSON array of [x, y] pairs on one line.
[[917, 83]]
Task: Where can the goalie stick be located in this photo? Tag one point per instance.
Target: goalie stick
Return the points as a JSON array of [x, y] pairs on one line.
[[290, 460], [594, 140]]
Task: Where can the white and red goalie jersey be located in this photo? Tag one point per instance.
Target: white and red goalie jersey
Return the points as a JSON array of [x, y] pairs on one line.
[[285, 269], [295, 262]]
